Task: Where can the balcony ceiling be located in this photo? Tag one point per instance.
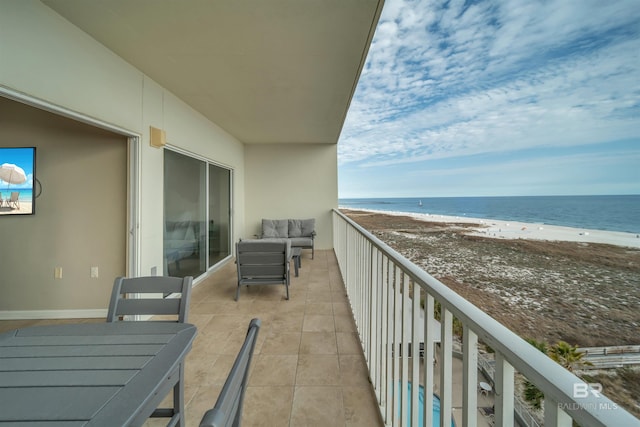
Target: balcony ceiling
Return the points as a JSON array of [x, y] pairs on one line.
[[266, 71]]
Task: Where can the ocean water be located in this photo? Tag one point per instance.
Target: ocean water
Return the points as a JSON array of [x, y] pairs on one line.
[[26, 195], [611, 213]]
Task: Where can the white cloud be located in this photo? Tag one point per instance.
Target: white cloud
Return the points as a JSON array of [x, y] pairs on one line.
[[445, 82], [558, 174]]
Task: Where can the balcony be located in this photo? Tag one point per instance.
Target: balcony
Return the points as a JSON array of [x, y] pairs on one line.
[[326, 356]]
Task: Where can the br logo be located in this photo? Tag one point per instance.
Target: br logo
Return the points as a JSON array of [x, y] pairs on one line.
[[582, 390]]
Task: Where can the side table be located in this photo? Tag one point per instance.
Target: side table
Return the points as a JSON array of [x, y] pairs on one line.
[[295, 256]]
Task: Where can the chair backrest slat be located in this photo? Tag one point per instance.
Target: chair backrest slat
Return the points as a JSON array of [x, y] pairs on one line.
[[227, 410], [152, 284], [250, 258], [151, 306], [271, 271], [252, 245]]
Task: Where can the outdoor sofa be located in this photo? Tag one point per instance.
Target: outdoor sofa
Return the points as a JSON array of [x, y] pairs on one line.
[[300, 232]]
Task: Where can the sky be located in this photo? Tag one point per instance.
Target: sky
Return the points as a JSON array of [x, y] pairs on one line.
[[496, 98], [23, 158]]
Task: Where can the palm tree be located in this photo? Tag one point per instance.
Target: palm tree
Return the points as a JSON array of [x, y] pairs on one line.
[[457, 327], [563, 353], [539, 345], [532, 394], [568, 355]]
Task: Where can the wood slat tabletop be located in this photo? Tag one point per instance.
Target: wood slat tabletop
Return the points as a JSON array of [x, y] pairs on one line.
[[94, 374]]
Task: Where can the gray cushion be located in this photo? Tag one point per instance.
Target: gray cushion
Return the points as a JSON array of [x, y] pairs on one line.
[[301, 227], [295, 228], [308, 227], [278, 228], [301, 242]]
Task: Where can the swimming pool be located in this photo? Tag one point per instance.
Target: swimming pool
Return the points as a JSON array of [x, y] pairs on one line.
[[436, 408]]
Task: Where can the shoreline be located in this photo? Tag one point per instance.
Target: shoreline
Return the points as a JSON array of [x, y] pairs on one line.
[[25, 208], [501, 229]]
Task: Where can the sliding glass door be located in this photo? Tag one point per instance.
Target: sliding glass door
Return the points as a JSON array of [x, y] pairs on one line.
[[219, 214], [197, 214]]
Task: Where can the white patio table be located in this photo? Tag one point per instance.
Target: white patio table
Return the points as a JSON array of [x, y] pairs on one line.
[[92, 374]]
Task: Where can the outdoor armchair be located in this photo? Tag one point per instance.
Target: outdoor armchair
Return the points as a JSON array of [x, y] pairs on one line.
[[263, 262]]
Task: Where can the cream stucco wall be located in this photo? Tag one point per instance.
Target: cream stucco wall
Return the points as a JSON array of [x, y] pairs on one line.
[[80, 218], [44, 57], [292, 181]]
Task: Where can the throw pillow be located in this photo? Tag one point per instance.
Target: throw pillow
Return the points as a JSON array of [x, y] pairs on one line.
[[274, 228], [295, 228]]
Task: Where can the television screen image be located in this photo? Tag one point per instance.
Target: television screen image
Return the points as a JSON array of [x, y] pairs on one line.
[[17, 178]]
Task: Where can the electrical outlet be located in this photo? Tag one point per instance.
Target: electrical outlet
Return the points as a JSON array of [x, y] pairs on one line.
[[94, 272], [57, 273]]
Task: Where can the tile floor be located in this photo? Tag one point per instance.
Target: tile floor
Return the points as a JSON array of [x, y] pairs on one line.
[[308, 367]]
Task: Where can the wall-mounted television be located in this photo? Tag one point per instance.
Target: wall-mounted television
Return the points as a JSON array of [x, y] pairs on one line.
[[17, 179]]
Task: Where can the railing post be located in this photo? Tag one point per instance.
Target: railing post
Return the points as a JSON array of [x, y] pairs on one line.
[[446, 367], [370, 350], [405, 410], [469, 378], [367, 308], [554, 416], [388, 379], [504, 392], [415, 354], [398, 392], [359, 280], [429, 357], [381, 343]]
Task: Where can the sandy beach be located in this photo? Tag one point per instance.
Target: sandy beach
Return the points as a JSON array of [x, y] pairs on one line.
[[520, 230], [548, 283], [25, 208]]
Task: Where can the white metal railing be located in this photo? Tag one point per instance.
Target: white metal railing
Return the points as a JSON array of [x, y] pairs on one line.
[[389, 297]]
